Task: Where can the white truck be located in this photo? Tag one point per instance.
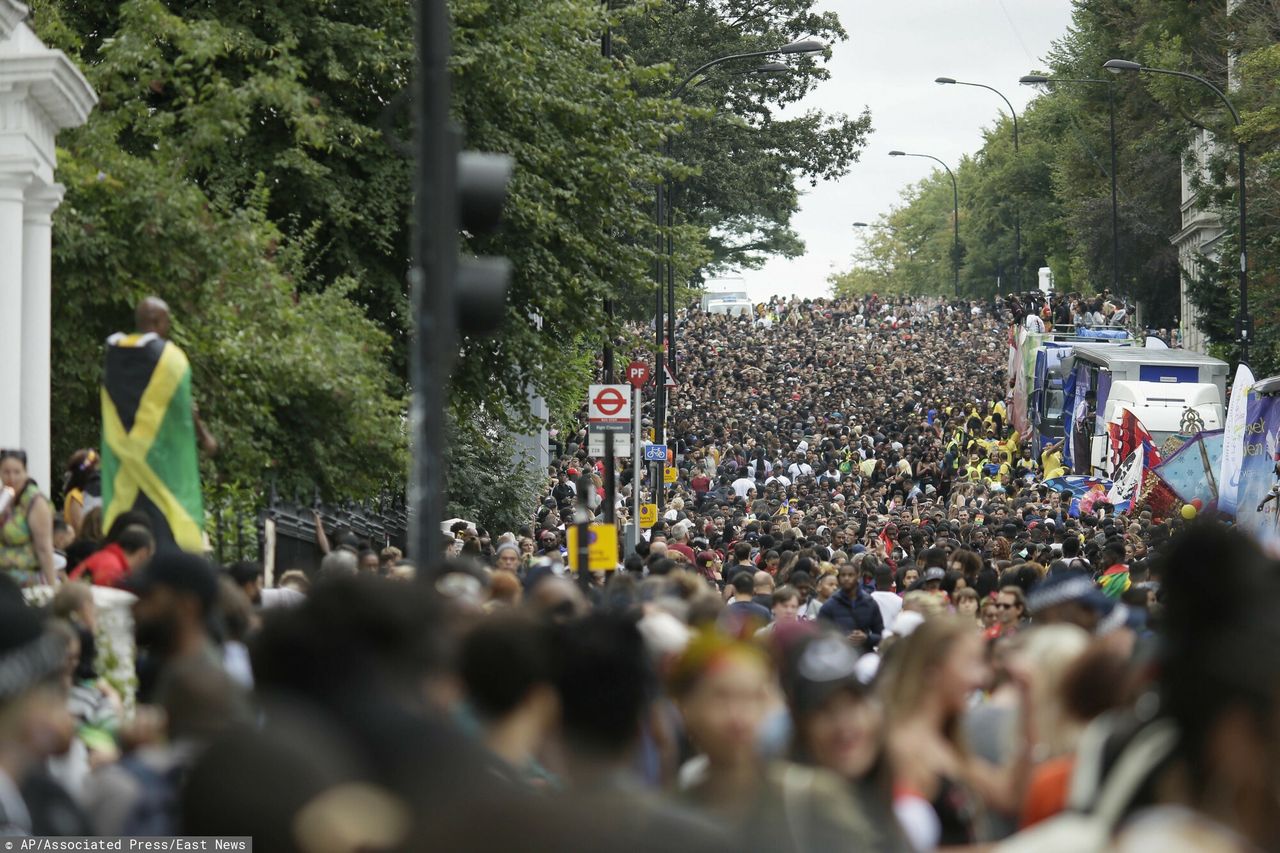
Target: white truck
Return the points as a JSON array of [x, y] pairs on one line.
[[726, 296], [1166, 389]]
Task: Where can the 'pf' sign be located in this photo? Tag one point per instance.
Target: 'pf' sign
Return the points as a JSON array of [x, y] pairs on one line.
[[637, 374]]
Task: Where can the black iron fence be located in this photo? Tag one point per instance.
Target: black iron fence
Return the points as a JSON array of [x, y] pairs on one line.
[[288, 529]]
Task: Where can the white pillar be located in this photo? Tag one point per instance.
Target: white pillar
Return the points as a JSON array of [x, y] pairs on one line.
[[41, 92], [37, 328], [12, 185]]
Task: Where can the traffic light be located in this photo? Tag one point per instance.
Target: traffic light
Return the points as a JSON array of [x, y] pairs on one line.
[[453, 194], [481, 283]]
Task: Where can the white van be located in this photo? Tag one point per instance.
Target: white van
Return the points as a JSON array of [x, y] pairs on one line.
[[1161, 408], [727, 296], [733, 304]]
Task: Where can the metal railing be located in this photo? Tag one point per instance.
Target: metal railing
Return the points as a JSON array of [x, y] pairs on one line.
[[238, 534]]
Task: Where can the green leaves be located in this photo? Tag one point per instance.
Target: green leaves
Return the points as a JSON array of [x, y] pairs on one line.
[[1058, 185], [742, 156], [237, 166], [289, 379]]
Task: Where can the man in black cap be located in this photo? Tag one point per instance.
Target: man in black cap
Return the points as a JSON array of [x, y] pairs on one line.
[[177, 594], [932, 579], [1069, 597]]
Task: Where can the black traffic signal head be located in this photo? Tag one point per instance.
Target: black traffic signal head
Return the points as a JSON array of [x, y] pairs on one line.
[[481, 291]]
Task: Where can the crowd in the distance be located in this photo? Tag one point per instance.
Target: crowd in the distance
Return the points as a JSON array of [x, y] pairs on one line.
[[861, 622]]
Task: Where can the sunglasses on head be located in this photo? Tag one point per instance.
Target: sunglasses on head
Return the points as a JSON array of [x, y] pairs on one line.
[[20, 455]]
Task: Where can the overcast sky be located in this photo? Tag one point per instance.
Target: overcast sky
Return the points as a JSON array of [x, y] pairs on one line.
[[895, 50]]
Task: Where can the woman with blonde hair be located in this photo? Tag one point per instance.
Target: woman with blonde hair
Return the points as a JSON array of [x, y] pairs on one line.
[[927, 604], [1048, 654], [942, 787]]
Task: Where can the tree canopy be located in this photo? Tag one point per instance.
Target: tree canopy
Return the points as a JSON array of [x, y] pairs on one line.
[[1059, 182], [243, 164]]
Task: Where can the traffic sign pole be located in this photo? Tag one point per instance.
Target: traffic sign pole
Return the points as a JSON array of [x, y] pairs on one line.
[[584, 529], [636, 470], [609, 476]]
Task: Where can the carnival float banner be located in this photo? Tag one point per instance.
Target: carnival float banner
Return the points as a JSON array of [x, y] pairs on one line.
[[1129, 477], [1233, 441], [1191, 471], [1085, 492], [1257, 471]]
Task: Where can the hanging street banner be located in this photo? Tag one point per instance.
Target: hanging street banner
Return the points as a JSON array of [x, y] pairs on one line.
[[1233, 440], [1257, 472]]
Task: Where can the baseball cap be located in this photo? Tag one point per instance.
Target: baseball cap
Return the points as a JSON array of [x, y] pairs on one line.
[[180, 571], [824, 666], [1064, 587], [934, 574]]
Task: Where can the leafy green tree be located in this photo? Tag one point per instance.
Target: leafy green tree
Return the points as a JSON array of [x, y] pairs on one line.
[[1252, 30], [292, 90], [861, 280], [289, 379], [489, 481], [741, 157], [530, 81], [1058, 183]]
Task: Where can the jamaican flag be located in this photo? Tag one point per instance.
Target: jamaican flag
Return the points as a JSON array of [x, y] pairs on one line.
[[1115, 581], [149, 460]]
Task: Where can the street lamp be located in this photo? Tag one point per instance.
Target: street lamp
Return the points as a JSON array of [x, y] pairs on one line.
[[800, 47], [1244, 323], [955, 199], [1017, 212], [861, 225], [1038, 79], [803, 46], [766, 69]]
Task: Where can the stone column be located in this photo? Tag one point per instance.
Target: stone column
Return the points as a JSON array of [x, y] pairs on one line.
[[37, 328], [12, 185], [41, 92]]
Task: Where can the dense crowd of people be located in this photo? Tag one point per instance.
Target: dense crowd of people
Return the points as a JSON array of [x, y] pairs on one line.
[[862, 621]]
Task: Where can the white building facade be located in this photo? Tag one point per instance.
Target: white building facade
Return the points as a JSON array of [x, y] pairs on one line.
[[1200, 236], [41, 92]]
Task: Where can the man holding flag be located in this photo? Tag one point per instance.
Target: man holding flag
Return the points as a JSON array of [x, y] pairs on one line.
[[150, 427]]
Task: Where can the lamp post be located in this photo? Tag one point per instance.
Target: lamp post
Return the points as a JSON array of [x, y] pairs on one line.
[[610, 463], [1037, 79], [1244, 323], [802, 46], [1017, 212], [763, 70], [955, 219]]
